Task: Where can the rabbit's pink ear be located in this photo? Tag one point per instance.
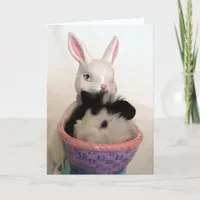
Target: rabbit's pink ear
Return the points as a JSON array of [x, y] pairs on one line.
[[112, 50], [77, 49]]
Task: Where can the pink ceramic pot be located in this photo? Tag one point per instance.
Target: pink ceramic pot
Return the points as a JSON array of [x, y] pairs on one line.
[[99, 158]]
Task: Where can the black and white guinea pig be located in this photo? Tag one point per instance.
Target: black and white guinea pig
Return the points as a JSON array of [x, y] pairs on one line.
[[102, 118]]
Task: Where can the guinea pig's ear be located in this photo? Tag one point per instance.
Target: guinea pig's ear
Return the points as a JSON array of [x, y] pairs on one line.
[[112, 50], [125, 109], [92, 98], [86, 97], [78, 49]]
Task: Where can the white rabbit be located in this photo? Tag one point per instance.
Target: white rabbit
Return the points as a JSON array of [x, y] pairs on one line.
[[102, 118], [94, 74]]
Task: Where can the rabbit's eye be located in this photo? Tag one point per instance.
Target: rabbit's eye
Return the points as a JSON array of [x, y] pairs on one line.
[[87, 77], [104, 124]]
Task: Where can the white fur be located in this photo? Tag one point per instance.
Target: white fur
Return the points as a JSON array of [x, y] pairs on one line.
[[100, 70], [109, 97], [118, 129]]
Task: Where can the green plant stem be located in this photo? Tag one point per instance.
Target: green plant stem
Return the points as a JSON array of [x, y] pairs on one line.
[[188, 98], [187, 62]]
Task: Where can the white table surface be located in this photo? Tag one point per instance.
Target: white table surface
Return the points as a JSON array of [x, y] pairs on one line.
[[176, 147], [23, 168]]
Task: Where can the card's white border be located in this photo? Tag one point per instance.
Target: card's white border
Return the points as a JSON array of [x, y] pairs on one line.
[[129, 21]]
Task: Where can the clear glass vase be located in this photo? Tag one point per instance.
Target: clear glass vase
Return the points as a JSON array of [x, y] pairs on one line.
[[182, 109], [181, 98]]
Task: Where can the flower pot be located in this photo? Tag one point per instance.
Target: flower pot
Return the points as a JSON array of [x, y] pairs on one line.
[[87, 158]]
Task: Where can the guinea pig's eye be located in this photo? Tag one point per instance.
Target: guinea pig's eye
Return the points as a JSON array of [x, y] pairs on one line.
[[87, 77], [104, 124]]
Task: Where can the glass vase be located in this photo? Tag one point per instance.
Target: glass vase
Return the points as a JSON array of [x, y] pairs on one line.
[[181, 103], [181, 98]]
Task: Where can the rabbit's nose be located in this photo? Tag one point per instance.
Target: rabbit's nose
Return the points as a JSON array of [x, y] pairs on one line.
[[103, 86]]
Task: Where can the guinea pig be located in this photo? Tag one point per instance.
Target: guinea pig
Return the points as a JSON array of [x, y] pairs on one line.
[[102, 118]]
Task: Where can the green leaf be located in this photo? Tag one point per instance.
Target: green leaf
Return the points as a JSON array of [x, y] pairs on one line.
[[195, 109], [195, 41], [197, 51], [179, 44], [195, 58], [195, 112], [181, 24]]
